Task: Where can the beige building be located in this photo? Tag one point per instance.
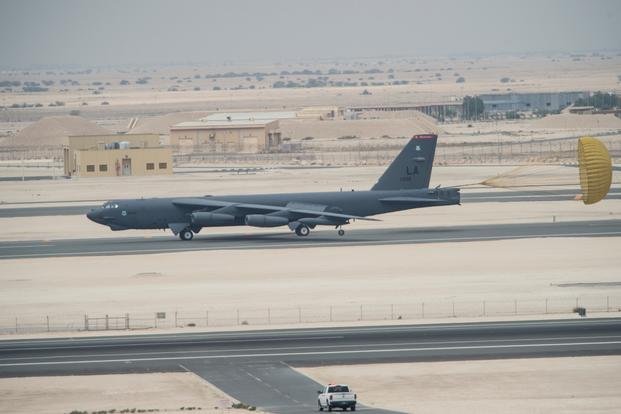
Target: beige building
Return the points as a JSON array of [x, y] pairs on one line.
[[116, 155], [229, 135]]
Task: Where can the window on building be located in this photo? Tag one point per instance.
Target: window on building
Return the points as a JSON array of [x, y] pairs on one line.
[[163, 165], [90, 168], [150, 166], [103, 167]]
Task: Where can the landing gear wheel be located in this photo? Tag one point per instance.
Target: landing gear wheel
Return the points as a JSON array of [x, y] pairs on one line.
[[302, 230], [341, 232], [329, 408], [186, 234], [353, 408], [319, 406]]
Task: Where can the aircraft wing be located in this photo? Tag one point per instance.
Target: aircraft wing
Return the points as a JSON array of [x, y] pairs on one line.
[[412, 200], [249, 208]]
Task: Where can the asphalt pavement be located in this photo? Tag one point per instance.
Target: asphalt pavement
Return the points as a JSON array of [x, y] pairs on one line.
[[255, 366], [256, 239]]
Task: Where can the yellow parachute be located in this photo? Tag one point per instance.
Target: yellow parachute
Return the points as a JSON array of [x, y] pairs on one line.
[[595, 170]]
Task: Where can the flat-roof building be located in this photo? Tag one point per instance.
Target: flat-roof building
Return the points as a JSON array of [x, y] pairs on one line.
[[531, 101], [116, 155], [228, 135]]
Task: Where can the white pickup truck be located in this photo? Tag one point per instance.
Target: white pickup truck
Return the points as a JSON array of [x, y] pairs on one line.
[[336, 396]]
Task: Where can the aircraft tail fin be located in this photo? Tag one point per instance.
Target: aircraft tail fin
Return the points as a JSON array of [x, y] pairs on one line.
[[411, 169]]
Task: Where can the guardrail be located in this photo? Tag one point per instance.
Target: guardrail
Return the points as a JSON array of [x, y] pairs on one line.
[[265, 316]]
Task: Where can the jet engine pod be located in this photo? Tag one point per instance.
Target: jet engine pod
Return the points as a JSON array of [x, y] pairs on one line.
[[201, 218], [261, 220]]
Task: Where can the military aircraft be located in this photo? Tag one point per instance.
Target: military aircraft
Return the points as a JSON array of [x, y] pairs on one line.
[[403, 186]]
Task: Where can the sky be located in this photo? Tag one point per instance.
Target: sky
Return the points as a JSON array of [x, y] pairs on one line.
[[119, 32]]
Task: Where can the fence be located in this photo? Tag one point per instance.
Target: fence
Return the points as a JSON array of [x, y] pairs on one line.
[[365, 153], [265, 316]]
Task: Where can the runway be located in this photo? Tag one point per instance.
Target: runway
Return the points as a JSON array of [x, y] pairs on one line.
[[255, 366], [255, 239], [466, 197]]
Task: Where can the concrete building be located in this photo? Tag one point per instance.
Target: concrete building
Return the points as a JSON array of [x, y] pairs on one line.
[[249, 116], [309, 112], [246, 132], [523, 102], [116, 155], [229, 135]]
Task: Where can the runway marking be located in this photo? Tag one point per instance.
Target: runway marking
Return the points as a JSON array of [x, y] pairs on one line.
[[102, 355], [25, 245], [335, 242], [303, 338], [285, 354]]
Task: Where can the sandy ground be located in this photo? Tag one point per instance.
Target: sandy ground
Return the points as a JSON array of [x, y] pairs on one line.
[[220, 282], [533, 73], [541, 385], [164, 392]]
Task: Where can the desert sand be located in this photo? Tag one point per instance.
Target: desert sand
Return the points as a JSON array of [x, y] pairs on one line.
[[165, 392], [540, 385], [213, 285]]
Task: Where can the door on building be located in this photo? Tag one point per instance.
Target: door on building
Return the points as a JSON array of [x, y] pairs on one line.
[[126, 166]]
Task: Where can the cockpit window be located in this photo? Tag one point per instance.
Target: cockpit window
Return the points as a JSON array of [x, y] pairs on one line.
[[110, 205]]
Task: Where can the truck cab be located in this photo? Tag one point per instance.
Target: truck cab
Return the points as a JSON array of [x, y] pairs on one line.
[[336, 396]]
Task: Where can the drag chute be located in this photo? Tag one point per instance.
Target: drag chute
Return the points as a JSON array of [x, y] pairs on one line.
[[595, 170]]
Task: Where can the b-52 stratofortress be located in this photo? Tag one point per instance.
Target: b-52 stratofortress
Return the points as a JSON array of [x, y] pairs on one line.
[[403, 186]]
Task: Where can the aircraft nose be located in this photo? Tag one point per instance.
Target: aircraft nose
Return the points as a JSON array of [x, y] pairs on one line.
[[94, 215]]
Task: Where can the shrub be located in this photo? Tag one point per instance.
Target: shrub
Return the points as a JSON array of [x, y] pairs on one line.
[[461, 79], [74, 112], [505, 80]]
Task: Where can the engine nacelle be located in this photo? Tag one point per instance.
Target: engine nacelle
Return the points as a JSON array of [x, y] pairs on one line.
[[202, 218], [261, 220]]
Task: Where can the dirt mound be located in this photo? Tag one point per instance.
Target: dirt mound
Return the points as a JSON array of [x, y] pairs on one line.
[[53, 131], [575, 121], [161, 124]]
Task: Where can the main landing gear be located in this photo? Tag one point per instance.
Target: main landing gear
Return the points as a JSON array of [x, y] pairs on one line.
[[186, 234], [302, 230]]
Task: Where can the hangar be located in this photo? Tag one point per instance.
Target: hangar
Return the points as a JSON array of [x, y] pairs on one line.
[[116, 155], [248, 135]]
